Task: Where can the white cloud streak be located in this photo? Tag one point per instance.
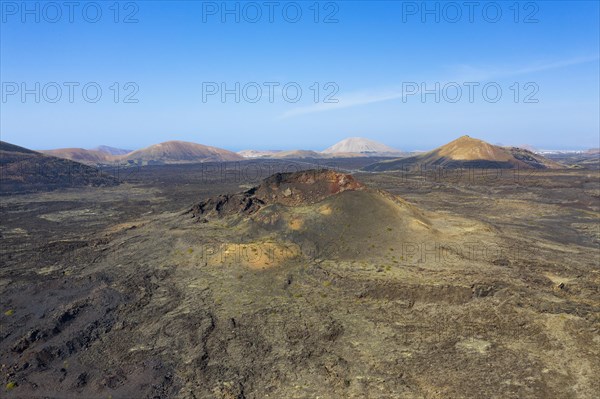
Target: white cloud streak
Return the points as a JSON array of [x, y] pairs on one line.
[[466, 73]]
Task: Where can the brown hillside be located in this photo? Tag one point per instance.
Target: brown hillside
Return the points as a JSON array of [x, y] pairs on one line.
[[24, 170], [319, 214], [468, 152], [92, 157], [181, 152]]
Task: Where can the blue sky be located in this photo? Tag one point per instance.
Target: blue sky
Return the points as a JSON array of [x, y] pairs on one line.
[[375, 61]]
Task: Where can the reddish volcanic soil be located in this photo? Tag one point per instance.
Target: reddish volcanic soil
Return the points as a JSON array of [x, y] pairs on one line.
[[291, 189]]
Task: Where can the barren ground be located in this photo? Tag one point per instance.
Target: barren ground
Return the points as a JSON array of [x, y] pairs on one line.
[[493, 293]]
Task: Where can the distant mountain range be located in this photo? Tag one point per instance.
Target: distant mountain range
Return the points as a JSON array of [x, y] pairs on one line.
[[468, 152], [347, 148], [291, 154], [168, 152], [24, 170], [171, 152], [465, 151]]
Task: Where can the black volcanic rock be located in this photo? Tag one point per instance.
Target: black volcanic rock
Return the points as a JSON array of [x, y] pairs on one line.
[[290, 189]]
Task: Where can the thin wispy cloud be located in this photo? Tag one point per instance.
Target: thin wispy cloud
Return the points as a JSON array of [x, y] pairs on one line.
[[464, 73], [470, 73], [349, 100]]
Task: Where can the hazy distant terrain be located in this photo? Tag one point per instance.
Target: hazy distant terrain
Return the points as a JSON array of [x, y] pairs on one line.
[[347, 148], [359, 145], [162, 153], [586, 159], [92, 157], [257, 153], [463, 152], [112, 150]]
